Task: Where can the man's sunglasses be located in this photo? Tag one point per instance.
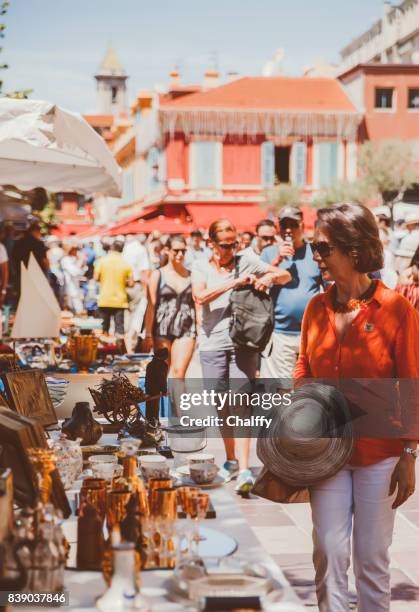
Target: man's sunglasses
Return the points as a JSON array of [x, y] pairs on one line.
[[323, 248], [228, 246], [288, 224], [179, 251]]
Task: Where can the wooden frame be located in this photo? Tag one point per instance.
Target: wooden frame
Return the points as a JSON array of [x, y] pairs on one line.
[[27, 393], [17, 434]]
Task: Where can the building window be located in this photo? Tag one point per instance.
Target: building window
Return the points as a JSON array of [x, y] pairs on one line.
[[156, 169], [206, 164], [114, 93], [413, 99], [384, 97], [282, 164]]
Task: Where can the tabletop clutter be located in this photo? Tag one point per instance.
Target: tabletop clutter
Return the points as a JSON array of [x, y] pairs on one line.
[[136, 510]]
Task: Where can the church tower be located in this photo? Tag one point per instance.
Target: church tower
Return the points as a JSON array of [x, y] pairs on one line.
[[111, 85]]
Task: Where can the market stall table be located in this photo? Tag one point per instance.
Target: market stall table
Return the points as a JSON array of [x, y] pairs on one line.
[[85, 587]]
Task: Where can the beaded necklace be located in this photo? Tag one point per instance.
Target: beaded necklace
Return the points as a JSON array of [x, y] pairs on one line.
[[355, 303]]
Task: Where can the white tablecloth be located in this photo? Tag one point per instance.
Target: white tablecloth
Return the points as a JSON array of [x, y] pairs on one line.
[[85, 587]]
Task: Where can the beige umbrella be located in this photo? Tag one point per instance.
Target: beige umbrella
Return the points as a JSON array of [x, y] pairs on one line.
[[42, 145]]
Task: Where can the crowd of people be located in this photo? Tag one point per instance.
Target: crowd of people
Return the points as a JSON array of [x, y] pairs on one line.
[[173, 292]]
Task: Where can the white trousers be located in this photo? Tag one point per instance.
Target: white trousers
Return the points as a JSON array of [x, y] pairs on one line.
[[354, 503], [280, 356]]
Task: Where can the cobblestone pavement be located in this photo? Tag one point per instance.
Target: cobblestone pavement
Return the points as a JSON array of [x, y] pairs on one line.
[[285, 532]]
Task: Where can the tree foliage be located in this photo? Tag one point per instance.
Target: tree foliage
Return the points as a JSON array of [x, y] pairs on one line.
[[48, 215], [388, 168], [24, 93], [282, 194], [356, 191]]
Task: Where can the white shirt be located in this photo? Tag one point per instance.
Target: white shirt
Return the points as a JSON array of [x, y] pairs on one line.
[[135, 254], [3, 254], [410, 242]]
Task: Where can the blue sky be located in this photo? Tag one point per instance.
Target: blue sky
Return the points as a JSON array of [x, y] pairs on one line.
[[55, 46]]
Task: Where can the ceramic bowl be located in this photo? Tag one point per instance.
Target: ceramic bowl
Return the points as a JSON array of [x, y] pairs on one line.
[[203, 473], [94, 459], [107, 470], [201, 458], [154, 466]]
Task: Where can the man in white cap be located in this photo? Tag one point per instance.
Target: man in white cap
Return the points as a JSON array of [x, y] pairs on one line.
[[409, 243], [411, 240]]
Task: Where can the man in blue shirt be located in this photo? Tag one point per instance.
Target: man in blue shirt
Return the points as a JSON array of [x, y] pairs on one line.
[[196, 250], [290, 300]]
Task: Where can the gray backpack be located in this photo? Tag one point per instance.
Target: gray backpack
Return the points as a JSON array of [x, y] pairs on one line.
[[252, 317]]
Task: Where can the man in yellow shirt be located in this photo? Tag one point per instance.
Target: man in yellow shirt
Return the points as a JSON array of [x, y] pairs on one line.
[[114, 275]]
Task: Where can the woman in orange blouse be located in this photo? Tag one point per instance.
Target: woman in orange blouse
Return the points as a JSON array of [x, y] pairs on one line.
[[359, 329]]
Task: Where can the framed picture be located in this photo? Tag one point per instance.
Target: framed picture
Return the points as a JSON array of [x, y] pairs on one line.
[[17, 434], [27, 393], [6, 503]]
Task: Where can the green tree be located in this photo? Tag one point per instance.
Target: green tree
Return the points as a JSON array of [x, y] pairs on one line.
[[24, 93], [388, 169], [282, 194], [356, 191], [48, 215]]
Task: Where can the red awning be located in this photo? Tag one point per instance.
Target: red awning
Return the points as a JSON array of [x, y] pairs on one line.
[[165, 225], [64, 230], [244, 216]]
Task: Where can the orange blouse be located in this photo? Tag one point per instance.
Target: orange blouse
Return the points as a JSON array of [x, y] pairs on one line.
[[382, 342]]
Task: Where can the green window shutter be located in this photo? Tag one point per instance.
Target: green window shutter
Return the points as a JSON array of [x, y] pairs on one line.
[[328, 161], [299, 150], [205, 164], [333, 161], [267, 156]]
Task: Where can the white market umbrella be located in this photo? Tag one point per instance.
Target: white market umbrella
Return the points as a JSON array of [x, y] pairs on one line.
[[42, 145]]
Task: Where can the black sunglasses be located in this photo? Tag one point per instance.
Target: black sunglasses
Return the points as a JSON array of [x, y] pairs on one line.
[[228, 245], [179, 251], [289, 224], [323, 248]]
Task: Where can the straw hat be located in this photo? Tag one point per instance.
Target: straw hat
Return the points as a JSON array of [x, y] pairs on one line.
[[311, 439]]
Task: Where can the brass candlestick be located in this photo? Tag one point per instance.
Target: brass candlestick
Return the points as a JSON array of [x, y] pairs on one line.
[[43, 462], [135, 484]]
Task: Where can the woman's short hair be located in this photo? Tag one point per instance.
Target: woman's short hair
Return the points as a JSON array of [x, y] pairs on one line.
[[221, 225], [354, 230], [175, 238]]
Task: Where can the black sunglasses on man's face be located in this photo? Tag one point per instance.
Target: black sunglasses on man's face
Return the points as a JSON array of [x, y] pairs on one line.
[[289, 224], [227, 245]]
